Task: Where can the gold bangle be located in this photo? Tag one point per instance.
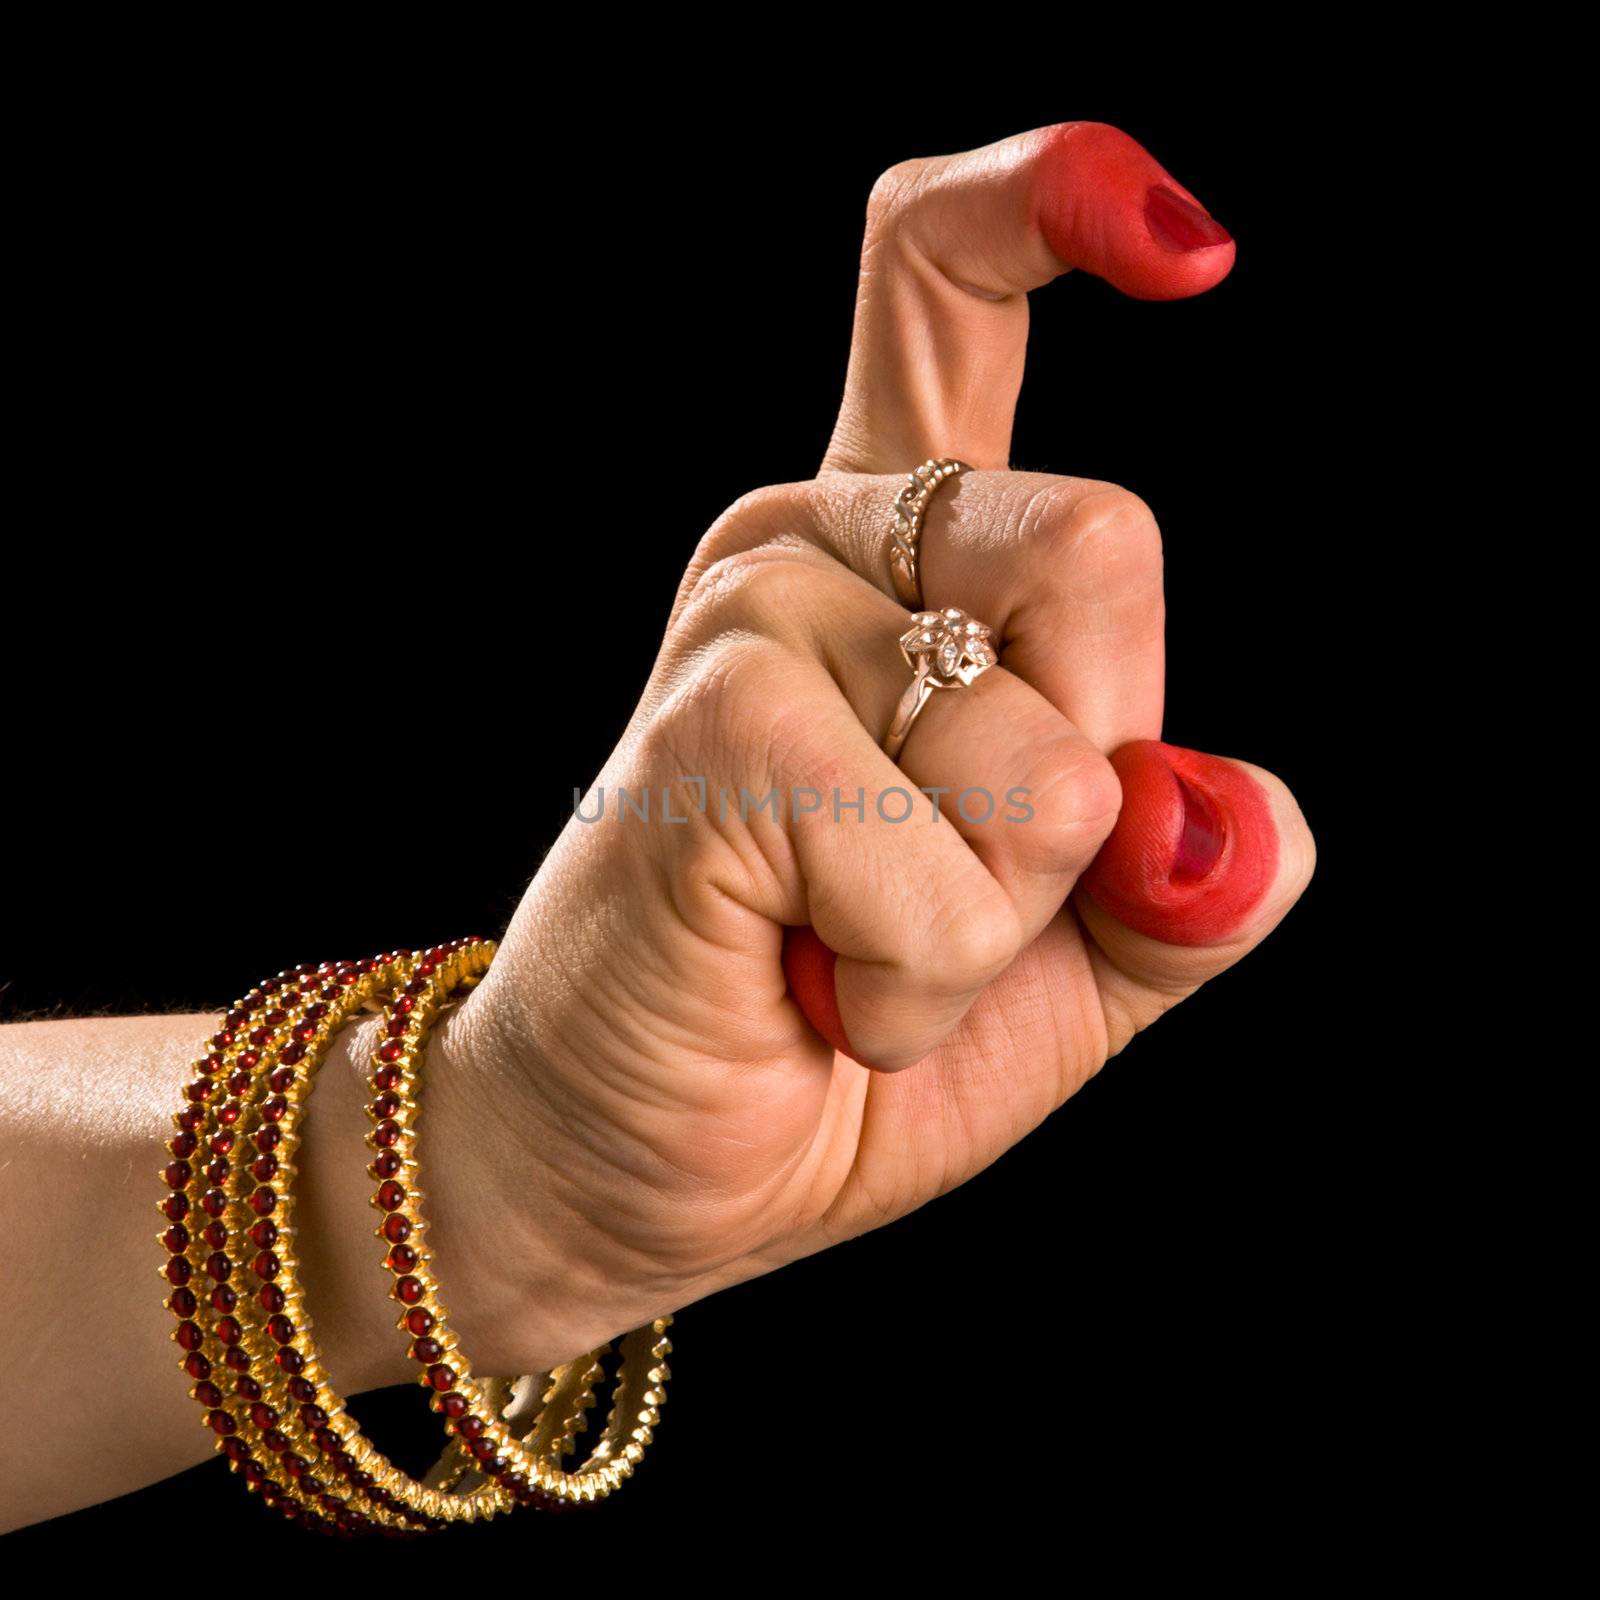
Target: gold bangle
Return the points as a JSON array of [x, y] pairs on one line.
[[301, 1405], [492, 1457], [241, 1116], [232, 1276]]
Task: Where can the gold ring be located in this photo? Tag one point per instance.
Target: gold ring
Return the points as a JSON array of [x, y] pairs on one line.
[[945, 650], [910, 507]]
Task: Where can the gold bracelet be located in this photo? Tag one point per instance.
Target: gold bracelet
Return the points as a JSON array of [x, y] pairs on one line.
[[265, 1057], [492, 1455], [257, 1069], [233, 1283], [301, 1417]]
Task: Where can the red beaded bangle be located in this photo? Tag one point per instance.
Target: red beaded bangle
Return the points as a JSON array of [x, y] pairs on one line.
[[295, 1417], [280, 1417], [211, 1222], [232, 1278], [529, 1468]]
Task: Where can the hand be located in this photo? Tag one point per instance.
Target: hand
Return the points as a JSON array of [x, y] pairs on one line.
[[671, 1093]]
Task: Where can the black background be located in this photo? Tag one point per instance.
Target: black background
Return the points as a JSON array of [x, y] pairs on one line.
[[367, 417]]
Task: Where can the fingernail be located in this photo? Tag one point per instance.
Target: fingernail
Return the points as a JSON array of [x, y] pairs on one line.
[[1200, 843], [1194, 850], [808, 964], [1179, 224]]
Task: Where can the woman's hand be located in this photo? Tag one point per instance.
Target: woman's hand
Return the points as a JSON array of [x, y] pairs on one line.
[[656, 1114]]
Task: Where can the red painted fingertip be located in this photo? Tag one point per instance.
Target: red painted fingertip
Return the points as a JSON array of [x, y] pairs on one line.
[[1106, 205], [1195, 848], [808, 965]]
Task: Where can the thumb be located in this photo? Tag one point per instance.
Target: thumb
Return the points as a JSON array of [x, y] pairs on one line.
[[1207, 857]]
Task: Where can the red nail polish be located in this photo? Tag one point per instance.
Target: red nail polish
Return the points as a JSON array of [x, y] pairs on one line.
[[1194, 850], [1200, 843], [1179, 224]]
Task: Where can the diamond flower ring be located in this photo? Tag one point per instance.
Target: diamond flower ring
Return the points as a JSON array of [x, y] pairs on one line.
[[945, 650]]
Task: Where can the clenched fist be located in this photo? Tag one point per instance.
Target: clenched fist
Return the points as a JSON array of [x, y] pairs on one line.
[[752, 1004]]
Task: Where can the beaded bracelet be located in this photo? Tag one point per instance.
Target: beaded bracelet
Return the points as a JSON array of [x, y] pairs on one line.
[[262, 1038], [265, 1055], [301, 1417], [528, 1468], [569, 1392], [268, 1071]]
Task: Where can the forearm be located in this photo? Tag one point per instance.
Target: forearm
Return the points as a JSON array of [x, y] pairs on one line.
[[95, 1403]]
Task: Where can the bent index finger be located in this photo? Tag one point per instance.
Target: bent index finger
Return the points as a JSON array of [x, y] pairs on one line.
[[953, 245]]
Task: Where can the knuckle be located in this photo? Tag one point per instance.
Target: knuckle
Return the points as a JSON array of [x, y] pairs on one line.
[[978, 939], [895, 188], [1099, 795], [726, 701], [1060, 519], [1076, 798], [758, 517], [1116, 513], [1092, 549], [762, 589], [754, 516]]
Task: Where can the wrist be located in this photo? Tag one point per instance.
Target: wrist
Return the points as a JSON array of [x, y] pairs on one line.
[[509, 1259], [340, 1259], [511, 1269], [532, 1278]]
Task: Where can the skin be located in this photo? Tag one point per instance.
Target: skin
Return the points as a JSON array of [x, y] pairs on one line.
[[708, 1049]]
